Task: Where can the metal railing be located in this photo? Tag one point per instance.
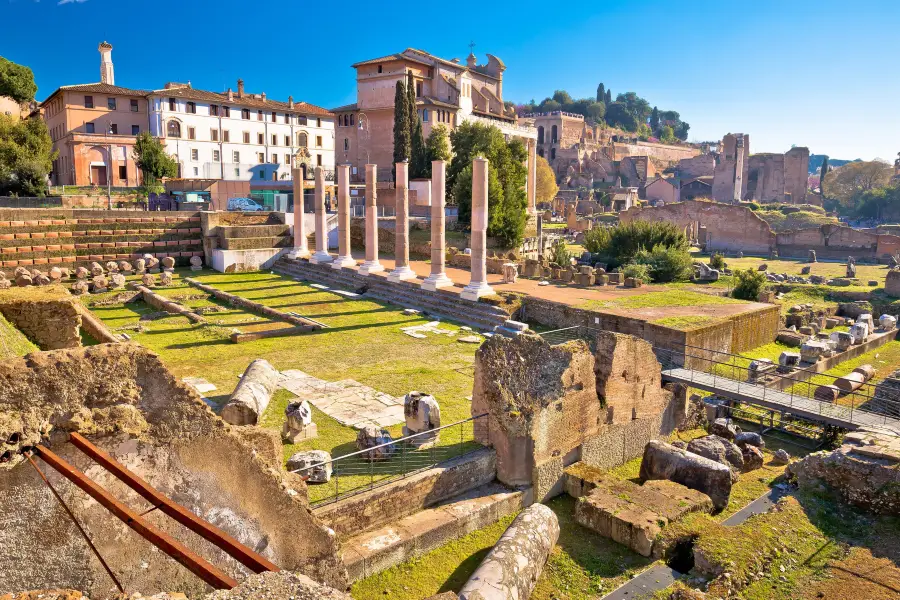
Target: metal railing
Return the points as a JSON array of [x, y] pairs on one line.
[[386, 463], [567, 334]]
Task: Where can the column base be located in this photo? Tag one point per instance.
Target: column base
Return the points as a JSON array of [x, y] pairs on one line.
[[343, 261], [298, 253], [435, 282], [320, 258], [476, 290], [401, 274], [371, 266]]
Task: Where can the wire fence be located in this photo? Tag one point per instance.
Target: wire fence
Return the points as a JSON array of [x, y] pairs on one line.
[[391, 461]]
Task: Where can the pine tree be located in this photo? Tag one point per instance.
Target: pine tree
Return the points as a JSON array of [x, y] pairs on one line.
[[401, 124], [601, 93], [654, 120], [822, 176], [419, 167]]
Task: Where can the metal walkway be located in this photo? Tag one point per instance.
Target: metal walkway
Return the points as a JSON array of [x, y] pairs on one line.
[[753, 393]]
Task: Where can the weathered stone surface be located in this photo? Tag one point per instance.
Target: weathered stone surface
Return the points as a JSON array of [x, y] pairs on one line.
[[369, 437], [781, 457], [49, 316], [298, 424], [753, 458], [117, 281], [252, 394], [718, 449], [283, 585], [512, 567], [422, 414], [312, 464], [864, 470], [165, 278], [724, 428], [168, 263], [664, 461], [148, 280], [750, 438]]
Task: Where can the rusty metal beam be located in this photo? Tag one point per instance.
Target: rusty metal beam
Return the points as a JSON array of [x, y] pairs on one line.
[[191, 561], [214, 535]]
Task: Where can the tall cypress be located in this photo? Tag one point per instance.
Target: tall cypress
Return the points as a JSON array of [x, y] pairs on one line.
[[412, 113], [401, 124], [608, 97], [822, 174], [419, 167], [601, 93], [654, 120]]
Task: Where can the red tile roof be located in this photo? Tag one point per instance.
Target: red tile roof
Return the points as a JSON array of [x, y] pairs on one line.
[[248, 101]]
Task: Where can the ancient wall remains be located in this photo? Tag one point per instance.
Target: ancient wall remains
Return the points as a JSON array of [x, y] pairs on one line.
[[702, 165], [42, 238], [729, 228], [124, 400], [551, 406], [837, 241], [47, 315], [663, 152]]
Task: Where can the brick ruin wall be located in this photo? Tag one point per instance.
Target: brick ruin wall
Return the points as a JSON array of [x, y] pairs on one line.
[[837, 241], [48, 315], [702, 165], [124, 400], [661, 151], [43, 238]]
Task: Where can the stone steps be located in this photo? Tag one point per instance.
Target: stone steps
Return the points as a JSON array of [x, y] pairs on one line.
[[441, 304], [374, 551]]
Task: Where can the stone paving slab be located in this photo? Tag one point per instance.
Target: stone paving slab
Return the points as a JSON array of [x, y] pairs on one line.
[[347, 401]]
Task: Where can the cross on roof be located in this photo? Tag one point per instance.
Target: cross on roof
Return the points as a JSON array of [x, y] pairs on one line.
[[472, 47]]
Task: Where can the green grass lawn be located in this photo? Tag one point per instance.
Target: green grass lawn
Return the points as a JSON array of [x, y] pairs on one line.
[[665, 298], [363, 341], [13, 342]]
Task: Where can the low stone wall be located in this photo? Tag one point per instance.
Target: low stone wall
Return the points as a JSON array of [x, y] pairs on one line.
[[388, 503], [48, 315], [386, 241], [126, 402], [163, 303], [96, 328]]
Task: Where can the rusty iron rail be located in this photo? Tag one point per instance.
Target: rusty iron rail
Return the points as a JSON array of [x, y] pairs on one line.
[[210, 533], [191, 561]]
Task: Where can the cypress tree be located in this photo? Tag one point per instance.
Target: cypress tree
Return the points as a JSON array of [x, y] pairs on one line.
[[601, 93], [822, 173], [412, 113], [608, 97], [419, 166], [654, 120], [401, 124]]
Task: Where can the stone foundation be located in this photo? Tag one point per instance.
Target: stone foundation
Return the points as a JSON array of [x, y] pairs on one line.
[[48, 315]]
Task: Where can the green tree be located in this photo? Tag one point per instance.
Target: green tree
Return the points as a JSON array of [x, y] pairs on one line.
[[601, 93], [562, 96], [26, 156], [847, 182], [151, 158], [550, 105], [545, 186], [750, 283], [667, 134], [617, 115], [608, 97], [16, 81], [507, 202], [654, 120], [419, 167], [596, 111], [681, 132], [411, 112], [559, 253], [402, 141], [822, 172], [637, 106], [437, 146]]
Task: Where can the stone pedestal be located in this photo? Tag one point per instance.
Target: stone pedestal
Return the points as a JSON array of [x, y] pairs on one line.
[[401, 270], [298, 425], [438, 277], [478, 285], [344, 258], [371, 265], [321, 256], [301, 245]]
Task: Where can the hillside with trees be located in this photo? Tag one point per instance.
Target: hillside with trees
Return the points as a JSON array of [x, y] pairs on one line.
[[628, 111]]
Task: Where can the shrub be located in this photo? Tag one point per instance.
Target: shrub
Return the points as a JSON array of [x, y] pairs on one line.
[[559, 253], [619, 245], [753, 206], [596, 240], [717, 261], [666, 263], [749, 284], [637, 271]]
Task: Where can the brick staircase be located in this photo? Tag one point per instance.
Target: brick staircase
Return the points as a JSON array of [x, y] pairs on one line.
[[444, 304]]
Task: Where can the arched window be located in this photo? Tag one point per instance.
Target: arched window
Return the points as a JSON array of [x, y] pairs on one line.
[[553, 135], [425, 114], [174, 129], [352, 119], [303, 140], [541, 135]]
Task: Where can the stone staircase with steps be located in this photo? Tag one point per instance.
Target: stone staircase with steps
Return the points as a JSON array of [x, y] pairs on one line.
[[444, 304]]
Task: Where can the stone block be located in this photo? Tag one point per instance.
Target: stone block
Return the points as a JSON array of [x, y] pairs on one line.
[[422, 415], [312, 464], [664, 461]]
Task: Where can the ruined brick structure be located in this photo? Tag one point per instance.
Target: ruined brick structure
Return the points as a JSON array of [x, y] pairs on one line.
[[769, 177]]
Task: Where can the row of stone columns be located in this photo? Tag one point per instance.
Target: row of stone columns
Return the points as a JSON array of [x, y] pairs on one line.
[[478, 286]]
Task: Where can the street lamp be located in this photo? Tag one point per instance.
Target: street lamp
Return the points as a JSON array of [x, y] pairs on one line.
[[364, 128]]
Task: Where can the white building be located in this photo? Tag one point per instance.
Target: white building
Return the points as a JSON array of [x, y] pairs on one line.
[[240, 136]]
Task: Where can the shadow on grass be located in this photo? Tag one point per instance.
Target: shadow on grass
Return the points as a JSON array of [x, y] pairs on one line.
[[461, 574]]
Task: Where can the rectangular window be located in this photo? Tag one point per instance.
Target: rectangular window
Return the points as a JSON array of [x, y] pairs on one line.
[[173, 105], [274, 116], [89, 102], [226, 136], [191, 108], [215, 156], [259, 115], [196, 171], [261, 157], [287, 140], [319, 160], [318, 122], [111, 103], [318, 141], [237, 172], [262, 174], [89, 127], [275, 158], [214, 110], [214, 135], [246, 137], [245, 113], [287, 119], [195, 154], [235, 157], [301, 120], [134, 105], [114, 128], [135, 129], [346, 144], [287, 159], [418, 88], [425, 115], [227, 111], [192, 133], [274, 140], [260, 139], [123, 173]]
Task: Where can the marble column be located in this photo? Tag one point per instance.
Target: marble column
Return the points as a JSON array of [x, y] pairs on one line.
[[301, 245], [438, 278], [531, 177], [321, 256], [401, 270], [344, 258], [371, 265], [478, 286]]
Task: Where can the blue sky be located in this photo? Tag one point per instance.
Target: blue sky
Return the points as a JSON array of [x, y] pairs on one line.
[[823, 74]]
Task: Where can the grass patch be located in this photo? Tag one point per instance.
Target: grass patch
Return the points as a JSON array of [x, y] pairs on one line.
[[13, 342], [665, 298], [885, 359], [685, 322]]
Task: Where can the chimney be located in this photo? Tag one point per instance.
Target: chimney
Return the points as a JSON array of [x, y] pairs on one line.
[[263, 96], [471, 61], [106, 65], [290, 102], [240, 88], [230, 95]]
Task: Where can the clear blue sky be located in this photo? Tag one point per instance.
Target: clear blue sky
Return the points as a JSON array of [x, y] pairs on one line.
[[823, 74]]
